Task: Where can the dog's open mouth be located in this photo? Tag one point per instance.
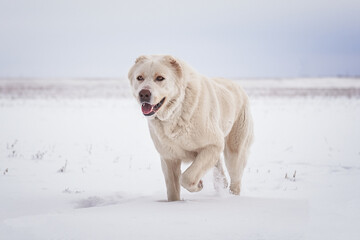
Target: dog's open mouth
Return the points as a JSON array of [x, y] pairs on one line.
[[149, 109]]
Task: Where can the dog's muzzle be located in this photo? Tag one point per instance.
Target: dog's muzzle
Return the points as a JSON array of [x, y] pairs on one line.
[[149, 109]]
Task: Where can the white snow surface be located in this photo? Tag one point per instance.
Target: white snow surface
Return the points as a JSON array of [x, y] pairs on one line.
[[87, 169]]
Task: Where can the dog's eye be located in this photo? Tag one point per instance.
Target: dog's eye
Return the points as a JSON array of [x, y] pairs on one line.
[[140, 78], [160, 78]]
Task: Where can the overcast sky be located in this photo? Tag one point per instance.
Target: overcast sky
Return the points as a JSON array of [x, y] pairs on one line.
[[249, 38]]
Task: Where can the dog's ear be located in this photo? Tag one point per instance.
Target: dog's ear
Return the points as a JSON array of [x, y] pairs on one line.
[[174, 64], [140, 59]]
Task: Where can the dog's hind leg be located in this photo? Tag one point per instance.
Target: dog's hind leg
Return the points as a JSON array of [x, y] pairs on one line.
[[220, 180], [237, 147], [235, 163]]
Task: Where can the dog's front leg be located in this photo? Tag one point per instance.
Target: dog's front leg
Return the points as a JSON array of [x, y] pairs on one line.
[[205, 160], [172, 172]]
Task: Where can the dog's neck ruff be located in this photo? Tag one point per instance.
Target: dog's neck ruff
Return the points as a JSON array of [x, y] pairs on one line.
[[180, 115]]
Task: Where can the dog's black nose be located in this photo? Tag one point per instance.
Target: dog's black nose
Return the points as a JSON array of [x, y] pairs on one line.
[[145, 95]]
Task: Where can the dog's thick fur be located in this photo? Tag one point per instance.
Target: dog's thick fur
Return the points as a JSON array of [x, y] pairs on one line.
[[199, 119]]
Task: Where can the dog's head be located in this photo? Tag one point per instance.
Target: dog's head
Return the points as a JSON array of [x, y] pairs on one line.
[[157, 83]]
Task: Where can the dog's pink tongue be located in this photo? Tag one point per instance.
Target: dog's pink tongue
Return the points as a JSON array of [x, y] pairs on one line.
[[146, 108]]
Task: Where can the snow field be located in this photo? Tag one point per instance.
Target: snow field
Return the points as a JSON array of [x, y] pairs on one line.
[[87, 169]]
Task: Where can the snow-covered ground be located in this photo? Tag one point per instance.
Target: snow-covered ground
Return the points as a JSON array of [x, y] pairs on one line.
[[85, 167]]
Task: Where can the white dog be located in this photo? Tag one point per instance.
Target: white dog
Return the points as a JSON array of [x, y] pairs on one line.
[[194, 119]]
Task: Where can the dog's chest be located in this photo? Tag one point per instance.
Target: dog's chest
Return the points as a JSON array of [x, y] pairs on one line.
[[176, 150], [172, 144]]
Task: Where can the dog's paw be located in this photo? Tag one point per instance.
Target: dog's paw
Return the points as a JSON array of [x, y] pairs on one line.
[[191, 186], [235, 189], [200, 185]]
